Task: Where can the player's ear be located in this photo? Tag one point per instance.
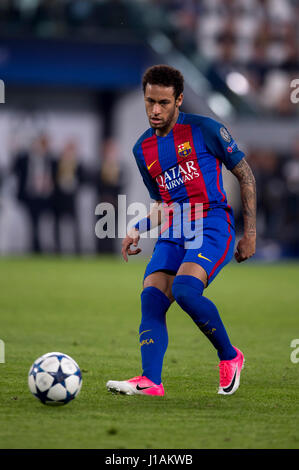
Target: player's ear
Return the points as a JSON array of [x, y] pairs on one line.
[[179, 100]]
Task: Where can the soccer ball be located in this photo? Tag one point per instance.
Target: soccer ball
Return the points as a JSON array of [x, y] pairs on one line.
[[55, 379]]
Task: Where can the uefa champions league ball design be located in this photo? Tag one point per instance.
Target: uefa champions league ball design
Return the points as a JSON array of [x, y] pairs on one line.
[[55, 378]]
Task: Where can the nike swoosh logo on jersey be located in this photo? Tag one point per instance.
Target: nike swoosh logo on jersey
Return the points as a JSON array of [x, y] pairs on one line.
[[230, 387], [203, 257], [149, 167], [142, 388]]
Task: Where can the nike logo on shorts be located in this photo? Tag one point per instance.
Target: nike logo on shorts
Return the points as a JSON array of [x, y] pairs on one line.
[[203, 257]]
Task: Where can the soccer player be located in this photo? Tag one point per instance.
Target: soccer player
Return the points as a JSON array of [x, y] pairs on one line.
[[180, 158]]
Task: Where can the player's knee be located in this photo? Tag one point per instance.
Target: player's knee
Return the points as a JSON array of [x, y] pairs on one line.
[[180, 290], [154, 305], [183, 289], [150, 291], [162, 285]]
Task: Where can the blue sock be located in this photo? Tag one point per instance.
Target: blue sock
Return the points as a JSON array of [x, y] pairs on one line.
[[153, 335], [187, 291]]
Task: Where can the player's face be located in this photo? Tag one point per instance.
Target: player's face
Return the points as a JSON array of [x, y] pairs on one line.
[[162, 108]]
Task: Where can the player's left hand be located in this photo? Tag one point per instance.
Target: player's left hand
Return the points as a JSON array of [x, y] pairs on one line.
[[245, 248]]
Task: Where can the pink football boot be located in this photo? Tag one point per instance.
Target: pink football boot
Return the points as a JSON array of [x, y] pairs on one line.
[[139, 385], [230, 372]]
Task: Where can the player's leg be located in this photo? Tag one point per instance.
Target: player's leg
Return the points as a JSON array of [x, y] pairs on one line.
[[156, 298], [198, 269], [188, 288]]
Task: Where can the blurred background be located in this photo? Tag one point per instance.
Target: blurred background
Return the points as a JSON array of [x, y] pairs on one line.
[[74, 108]]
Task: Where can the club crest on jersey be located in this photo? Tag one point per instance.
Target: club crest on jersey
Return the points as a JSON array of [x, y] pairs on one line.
[[184, 149]]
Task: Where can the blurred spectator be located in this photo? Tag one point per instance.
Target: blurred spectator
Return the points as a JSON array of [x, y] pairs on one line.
[[67, 176], [109, 187], [33, 171], [272, 194], [277, 181], [291, 175]]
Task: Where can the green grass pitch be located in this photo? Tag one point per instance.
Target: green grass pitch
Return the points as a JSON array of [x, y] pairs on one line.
[[90, 309]]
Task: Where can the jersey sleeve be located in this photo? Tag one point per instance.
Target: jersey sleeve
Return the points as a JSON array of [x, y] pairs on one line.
[[221, 144], [151, 185]]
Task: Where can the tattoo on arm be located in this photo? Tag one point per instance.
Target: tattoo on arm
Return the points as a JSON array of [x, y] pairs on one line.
[[248, 195]]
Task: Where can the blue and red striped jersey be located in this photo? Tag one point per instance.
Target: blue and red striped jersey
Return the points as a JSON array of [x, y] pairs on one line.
[[185, 166]]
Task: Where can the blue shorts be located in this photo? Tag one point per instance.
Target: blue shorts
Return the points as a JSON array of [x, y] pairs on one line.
[[215, 250]]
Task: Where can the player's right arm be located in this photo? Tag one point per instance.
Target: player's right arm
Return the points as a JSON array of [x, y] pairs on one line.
[[154, 218]]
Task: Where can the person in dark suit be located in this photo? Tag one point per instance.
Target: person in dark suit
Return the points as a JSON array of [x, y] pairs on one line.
[[33, 172], [67, 177]]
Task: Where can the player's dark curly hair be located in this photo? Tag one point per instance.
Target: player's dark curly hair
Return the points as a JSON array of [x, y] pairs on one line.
[[166, 76]]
